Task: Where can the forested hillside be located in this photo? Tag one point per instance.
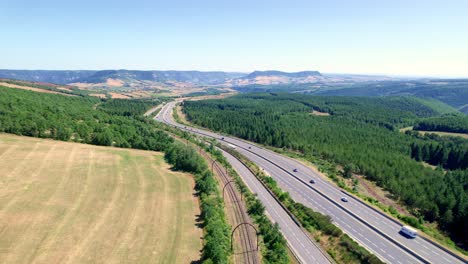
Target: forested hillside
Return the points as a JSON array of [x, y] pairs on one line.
[[73, 118], [64, 77], [63, 89], [61, 77], [452, 92], [447, 123], [359, 133]]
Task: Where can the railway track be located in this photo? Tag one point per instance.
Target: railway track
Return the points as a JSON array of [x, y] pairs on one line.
[[248, 253], [246, 234]]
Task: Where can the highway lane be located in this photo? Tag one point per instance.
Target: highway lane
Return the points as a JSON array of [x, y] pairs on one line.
[[390, 227], [302, 246], [297, 184], [299, 242], [385, 250]]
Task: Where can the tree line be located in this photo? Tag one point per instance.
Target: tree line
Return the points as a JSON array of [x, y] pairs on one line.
[[445, 155], [125, 107], [73, 118], [456, 123], [217, 232]]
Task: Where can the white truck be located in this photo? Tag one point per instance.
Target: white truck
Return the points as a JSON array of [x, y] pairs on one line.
[[408, 231], [232, 146]]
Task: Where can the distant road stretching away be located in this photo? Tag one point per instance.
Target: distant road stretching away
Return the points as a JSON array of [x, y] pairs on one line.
[[302, 246], [372, 229]]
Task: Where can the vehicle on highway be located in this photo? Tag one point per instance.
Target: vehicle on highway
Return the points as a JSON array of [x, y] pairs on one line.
[[222, 138], [312, 181], [295, 170], [250, 147], [232, 146], [344, 199], [408, 232]]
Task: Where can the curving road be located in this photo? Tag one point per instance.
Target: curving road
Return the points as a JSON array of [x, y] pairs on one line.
[[370, 228], [301, 245]]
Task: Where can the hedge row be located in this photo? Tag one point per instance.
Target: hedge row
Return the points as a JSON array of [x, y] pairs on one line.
[[216, 248]]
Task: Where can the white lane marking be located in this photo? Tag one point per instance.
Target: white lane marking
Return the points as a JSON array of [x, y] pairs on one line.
[[446, 259]]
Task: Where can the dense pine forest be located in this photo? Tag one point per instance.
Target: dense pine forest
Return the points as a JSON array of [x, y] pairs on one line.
[[447, 123], [74, 118], [361, 134], [447, 152]]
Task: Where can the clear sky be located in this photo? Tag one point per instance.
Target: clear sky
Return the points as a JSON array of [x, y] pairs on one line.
[[412, 37]]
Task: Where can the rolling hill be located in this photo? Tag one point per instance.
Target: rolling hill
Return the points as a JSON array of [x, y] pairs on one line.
[[452, 92], [127, 76]]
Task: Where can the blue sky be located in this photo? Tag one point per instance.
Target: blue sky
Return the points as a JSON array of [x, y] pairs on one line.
[[428, 38]]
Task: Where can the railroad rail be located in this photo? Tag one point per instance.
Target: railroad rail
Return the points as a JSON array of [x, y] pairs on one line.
[[246, 233]]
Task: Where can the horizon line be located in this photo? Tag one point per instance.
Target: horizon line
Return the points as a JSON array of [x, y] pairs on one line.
[[393, 75]]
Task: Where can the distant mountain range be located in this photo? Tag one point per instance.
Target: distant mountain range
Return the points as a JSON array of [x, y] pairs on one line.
[[129, 78], [57, 77], [67, 77], [453, 92], [302, 74]]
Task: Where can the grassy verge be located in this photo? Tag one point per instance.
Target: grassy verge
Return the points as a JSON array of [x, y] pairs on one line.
[[274, 248], [178, 118], [338, 245]]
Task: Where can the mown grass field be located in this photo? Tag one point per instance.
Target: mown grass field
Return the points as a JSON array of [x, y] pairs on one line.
[[63, 202]]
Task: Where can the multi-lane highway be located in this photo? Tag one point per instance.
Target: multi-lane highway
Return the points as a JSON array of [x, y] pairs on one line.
[[302, 246], [375, 231]]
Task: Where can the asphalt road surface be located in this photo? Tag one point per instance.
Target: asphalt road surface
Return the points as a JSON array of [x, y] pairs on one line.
[[373, 230]]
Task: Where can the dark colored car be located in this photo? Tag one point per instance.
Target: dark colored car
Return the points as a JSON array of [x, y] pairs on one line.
[[344, 199], [312, 181], [295, 170]]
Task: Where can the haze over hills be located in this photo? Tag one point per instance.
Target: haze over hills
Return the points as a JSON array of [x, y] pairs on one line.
[[163, 79], [126, 76], [453, 92], [57, 77]]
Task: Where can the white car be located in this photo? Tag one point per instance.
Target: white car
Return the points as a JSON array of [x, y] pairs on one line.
[[409, 232]]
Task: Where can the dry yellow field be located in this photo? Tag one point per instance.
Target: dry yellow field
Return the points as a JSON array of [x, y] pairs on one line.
[[63, 202], [445, 133], [440, 133]]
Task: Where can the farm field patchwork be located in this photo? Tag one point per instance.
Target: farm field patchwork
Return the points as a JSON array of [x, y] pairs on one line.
[[63, 202]]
